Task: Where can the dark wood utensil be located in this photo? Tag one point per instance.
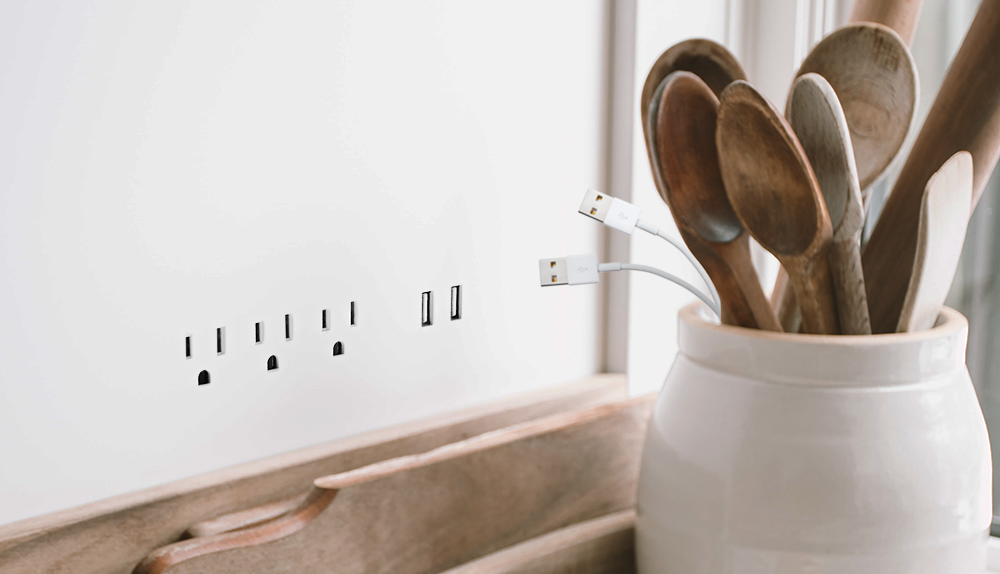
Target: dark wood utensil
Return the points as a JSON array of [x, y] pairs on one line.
[[685, 141], [773, 191]]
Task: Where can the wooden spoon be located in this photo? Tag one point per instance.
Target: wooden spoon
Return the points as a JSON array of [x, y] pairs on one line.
[[944, 218], [900, 15], [875, 79], [774, 192], [708, 60], [818, 121], [685, 140], [965, 116]]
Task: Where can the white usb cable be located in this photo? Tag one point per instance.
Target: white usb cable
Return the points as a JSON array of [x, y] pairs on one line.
[[624, 216], [583, 269]]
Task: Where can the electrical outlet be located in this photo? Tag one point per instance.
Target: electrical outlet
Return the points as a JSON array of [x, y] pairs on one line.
[[328, 323]]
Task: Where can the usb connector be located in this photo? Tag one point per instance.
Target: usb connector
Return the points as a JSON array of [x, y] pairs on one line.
[[582, 269], [624, 216], [572, 270], [610, 211]]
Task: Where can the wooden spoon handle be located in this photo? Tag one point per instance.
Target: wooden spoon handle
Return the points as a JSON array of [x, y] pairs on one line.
[[900, 15], [784, 303], [743, 301], [849, 286], [965, 116], [813, 283]]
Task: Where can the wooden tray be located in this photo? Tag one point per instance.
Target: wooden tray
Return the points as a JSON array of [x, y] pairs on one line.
[[112, 536], [437, 510]]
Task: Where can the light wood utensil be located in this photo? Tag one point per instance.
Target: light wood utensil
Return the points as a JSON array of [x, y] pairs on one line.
[[944, 218], [693, 189], [900, 15], [818, 121], [875, 78], [965, 116], [774, 192]]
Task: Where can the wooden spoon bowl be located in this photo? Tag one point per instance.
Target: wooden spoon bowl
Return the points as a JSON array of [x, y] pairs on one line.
[[875, 78], [710, 61], [773, 191]]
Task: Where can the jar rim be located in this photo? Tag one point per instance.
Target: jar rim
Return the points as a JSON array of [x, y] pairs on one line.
[[948, 321], [858, 360]]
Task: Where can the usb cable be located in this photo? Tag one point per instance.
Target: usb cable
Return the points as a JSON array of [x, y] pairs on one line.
[[623, 216], [584, 269]]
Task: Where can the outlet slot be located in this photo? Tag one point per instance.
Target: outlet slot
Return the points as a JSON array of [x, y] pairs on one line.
[[203, 378], [258, 330], [323, 321], [272, 363], [288, 327], [456, 302], [187, 347], [338, 348], [353, 307], [426, 309], [220, 341]]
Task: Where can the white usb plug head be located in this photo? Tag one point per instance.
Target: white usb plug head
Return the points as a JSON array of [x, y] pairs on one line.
[[610, 211], [572, 270], [596, 205]]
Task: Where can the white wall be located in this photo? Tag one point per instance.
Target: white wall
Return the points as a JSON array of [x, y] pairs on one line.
[[167, 168]]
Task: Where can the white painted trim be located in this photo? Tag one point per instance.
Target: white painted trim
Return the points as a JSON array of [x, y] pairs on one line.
[[620, 153]]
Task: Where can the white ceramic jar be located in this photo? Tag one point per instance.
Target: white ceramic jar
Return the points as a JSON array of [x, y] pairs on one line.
[[772, 453]]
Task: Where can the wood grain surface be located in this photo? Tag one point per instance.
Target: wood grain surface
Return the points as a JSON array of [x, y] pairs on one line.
[[443, 508], [718, 67], [944, 219], [900, 15], [603, 545], [694, 191], [773, 191], [875, 78], [816, 117], [111, 536], [965, 116]]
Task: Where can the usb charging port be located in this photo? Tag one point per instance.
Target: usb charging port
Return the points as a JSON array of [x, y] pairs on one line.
[[456, 302], [426, 309]]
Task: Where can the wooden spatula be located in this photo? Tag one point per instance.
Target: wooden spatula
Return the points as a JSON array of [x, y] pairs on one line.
[[944, 218]]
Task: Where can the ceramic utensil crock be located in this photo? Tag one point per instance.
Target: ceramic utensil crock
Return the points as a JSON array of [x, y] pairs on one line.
[[777, 453]]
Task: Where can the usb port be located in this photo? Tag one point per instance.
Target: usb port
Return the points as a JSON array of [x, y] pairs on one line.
[[426, 309], [456, 302]]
